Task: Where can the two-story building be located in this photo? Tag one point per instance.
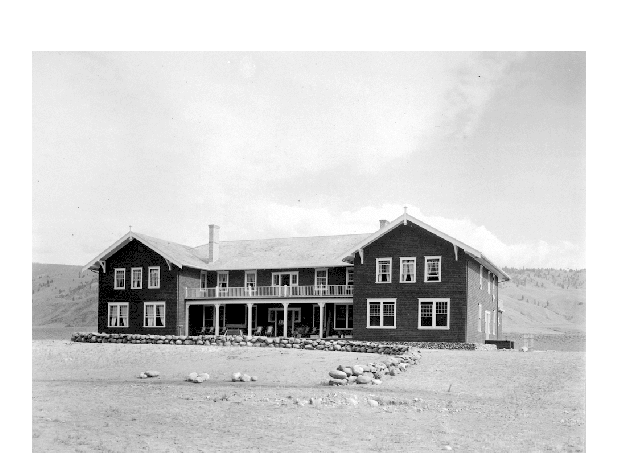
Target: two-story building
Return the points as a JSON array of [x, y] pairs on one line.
[[405, 282]]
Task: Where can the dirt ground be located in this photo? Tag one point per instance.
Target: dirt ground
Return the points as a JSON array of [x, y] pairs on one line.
[[87, 398]]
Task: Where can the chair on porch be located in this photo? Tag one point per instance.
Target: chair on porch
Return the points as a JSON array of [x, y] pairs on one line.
[[258, 331], [223, 331], [269, 331], [207, 331]]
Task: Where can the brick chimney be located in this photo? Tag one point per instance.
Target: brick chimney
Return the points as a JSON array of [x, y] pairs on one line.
[[214, 242], [383, 223]]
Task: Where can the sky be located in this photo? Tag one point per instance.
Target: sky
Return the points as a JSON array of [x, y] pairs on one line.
[[487, 147]]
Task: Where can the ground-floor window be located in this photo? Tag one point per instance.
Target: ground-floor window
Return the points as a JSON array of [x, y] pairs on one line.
[[434, 314], [154, 314], [343, 317], [381, 313], [118, 314]]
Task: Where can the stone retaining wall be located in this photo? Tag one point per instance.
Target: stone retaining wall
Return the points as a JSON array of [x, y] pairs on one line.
[[258, 341], [444, 345]]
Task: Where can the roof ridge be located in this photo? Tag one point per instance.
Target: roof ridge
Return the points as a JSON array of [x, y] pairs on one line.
[[290, 237]]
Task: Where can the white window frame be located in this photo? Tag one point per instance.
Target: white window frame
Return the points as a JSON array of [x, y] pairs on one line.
[[118, 314], [382, 301], [153, 268], [116, 286], [426, 259], [203, 276], [224, 288], [350, 273], [279, 275], [349, 316], [316, 278], [479, 317], [295, 312], [434, 301], [489, 283], [415, 267], [378, 271], [481, 273], [132, 272], [251, 272], [155, 304]]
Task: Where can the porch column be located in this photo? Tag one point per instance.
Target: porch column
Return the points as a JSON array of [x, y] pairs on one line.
[[216, 319], [186, 331], [203, 317], [249, 305], [321, 319], [285, 305]]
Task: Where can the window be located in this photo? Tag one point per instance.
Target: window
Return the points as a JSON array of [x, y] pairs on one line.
[[288, 278], [320, 278], [494, 317], [481, 271], [381, 313], [432, 269], [222, 279], [118, 314], [343, 316], [136, 278], [154, 277], [407, 269], [154, 314], [350, 276], [434, 313], [119, 278], [203, 280], [384, 270], [250, 279], [293, 314], [479, 317]]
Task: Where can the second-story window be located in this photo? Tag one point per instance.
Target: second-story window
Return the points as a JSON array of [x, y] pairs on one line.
[[407, 269], [119, 278], [350, 277], [154, 281], [432, 269], [203, 280], [250, 279], [136, 278], [222, 279], [320, 278], [384, 270]]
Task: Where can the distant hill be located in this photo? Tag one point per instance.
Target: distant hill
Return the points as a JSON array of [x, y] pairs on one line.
[[544, 301], [63, 296], [539, 301]]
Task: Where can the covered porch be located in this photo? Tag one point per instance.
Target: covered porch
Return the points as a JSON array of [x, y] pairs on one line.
[[266, 317]]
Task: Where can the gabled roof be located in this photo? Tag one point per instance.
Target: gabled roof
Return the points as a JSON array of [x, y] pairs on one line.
[[177, 254], [289, 252], [404, 219]]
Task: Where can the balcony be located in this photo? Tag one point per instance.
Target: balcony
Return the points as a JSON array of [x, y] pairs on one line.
[[334, 290]]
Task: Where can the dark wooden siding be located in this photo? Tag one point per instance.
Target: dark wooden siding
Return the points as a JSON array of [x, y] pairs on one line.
[[411, 241], [476, 296], [134, 255]]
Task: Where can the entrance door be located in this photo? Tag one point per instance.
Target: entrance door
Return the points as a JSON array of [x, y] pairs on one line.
[[275, 317], [487, 325]]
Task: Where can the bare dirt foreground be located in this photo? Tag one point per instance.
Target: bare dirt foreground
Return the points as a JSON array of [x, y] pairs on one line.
[[86, 398]]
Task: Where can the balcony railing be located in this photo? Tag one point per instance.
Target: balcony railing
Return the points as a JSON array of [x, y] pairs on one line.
[[270, 291]]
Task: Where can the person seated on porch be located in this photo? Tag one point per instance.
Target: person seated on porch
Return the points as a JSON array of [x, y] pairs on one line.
[[315, 331], [303, 331], [257, 331], [269, 331]]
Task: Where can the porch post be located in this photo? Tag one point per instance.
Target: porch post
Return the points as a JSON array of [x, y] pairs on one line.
[[249, 305], [186, 331], [321, 319], [285, 304], [203, 316], [216, 319]]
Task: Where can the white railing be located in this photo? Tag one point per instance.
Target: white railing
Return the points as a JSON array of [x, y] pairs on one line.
[[270, 291]]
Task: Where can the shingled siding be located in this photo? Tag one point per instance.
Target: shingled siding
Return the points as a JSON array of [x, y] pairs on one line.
[[476, 296], [411, 240], [134, 255], [236, 278]]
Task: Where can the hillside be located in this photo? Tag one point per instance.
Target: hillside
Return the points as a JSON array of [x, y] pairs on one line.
[[63, 296], [540, 301], [544, 301]]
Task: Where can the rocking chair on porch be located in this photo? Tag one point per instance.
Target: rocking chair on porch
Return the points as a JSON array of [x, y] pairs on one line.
[[207, 331], [258, 331], [269, 331]]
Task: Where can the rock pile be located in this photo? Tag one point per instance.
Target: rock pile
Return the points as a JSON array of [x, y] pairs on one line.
[[197, 377], [239, 377], [446, 345], [308, 344], [148, 373], [373, 372]]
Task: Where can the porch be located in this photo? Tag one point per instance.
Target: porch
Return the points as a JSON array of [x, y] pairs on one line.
[[302, 317], [328, 290]]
